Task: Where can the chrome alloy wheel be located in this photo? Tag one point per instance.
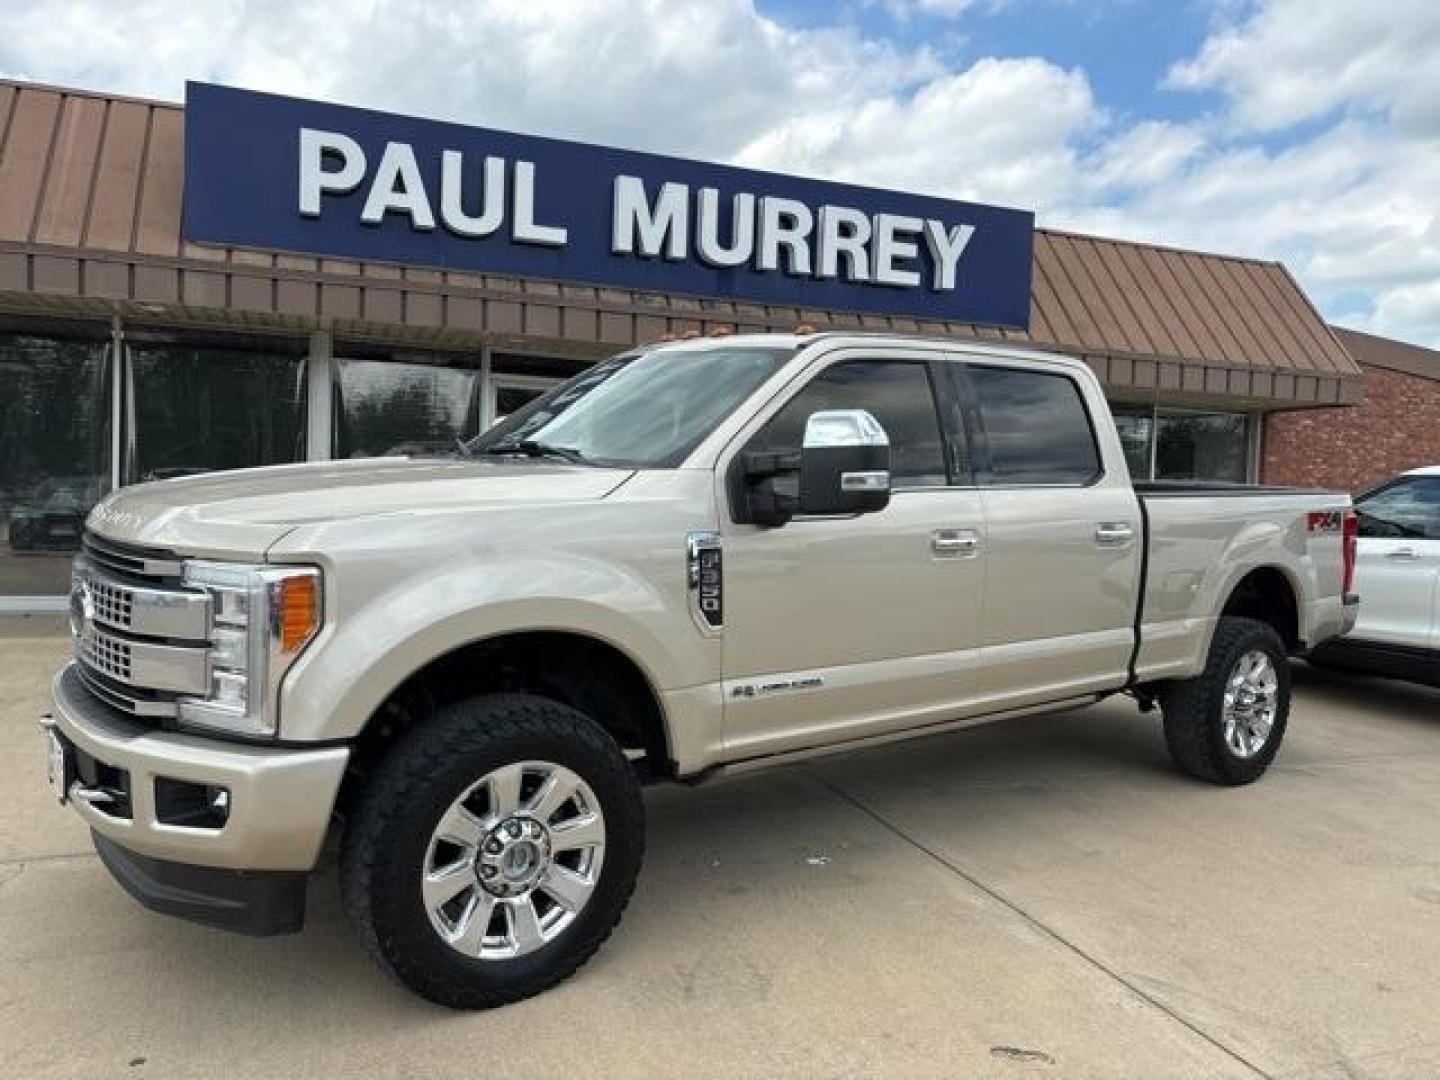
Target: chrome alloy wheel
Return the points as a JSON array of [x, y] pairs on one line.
[[1252, 699], [514, 860]]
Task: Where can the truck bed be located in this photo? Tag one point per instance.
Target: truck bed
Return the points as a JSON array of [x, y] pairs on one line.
[[1203, 539]]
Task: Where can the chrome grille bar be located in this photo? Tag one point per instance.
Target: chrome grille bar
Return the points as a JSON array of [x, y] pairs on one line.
[[122, 698], [134, 562], [141, 609], [146, 664]]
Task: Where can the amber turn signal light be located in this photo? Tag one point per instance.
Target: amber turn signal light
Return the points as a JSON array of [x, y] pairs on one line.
[[298, 610]]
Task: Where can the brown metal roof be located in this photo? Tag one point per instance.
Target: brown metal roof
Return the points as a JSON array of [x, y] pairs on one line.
[[1382, 352], [90, 197]]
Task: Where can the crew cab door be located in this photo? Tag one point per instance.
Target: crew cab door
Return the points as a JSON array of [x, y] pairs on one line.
[[838, 628], [1398, 564], [1063, 534]]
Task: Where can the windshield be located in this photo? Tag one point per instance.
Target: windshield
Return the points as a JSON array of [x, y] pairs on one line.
[[645, 410]]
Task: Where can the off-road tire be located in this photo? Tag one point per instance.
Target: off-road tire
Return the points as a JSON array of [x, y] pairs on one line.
[[1193, 708], [387, 835]]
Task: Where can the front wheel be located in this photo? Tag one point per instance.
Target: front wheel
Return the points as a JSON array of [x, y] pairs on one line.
[[494, 850], [1226, 724]]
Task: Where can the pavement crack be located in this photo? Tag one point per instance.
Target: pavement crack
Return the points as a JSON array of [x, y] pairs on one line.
[[1035, 922]]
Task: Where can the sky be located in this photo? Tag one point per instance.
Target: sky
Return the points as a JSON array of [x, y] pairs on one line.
[[1301, 130]]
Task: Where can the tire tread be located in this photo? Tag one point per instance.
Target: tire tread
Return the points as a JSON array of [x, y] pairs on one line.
[[465, 727], [1190, 708]]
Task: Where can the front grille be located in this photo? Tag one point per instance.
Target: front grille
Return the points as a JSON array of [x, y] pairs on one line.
[[139, 703], [141, 638], [114, 603], [130, 561], [106, 654]]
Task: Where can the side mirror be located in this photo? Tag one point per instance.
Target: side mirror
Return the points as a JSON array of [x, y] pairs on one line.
[[843, 467], [844, 464]]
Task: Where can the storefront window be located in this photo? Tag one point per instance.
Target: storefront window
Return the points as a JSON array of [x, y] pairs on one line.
[[54, 456], [1136, 430], [1185, 445], [513, 394], [193, 410], [404, 406], [1201, 446]]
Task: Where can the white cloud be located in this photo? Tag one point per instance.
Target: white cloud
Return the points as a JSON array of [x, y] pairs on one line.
[[1350, 206], [943, 7], [700, 76], [1294, 60], [1412, 311], [957, 135], [1323, 149]]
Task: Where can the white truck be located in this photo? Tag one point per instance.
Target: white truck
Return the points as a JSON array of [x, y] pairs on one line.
[[1397, 568], [694, 558]]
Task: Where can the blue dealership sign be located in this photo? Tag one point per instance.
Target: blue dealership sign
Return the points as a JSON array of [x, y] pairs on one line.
[[286, 174]]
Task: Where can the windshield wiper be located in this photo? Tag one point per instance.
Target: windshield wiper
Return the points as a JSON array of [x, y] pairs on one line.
[[534, 449]]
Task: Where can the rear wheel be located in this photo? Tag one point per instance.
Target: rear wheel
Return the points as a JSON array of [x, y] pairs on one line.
[[494, 850], [1226, 724]]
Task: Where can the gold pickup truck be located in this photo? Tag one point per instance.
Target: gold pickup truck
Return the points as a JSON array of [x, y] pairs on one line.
[[693, 558]]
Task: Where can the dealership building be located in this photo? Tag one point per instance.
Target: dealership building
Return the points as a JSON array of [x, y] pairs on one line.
[[250, 280]]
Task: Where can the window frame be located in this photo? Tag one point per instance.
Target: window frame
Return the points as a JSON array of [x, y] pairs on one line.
[[979, 441]]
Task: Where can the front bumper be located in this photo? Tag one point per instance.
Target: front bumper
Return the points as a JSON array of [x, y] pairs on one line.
[[280, 798]]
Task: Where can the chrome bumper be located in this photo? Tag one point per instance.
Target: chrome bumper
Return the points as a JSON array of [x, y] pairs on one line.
[[280, 799]]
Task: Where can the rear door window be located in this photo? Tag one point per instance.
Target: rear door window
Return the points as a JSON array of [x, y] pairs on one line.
[[1034, 429]]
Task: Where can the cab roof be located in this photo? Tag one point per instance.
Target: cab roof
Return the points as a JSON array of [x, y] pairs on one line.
[[874, 337]]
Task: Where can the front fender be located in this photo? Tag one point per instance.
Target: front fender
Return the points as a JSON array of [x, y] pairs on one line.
[[360, 659]]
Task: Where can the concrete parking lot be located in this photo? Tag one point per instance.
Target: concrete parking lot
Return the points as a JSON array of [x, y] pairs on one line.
[[1044, 897]]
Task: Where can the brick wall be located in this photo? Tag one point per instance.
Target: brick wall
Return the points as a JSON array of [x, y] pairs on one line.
[[1396, 428]]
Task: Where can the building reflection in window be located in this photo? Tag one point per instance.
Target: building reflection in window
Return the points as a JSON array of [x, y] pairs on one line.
[[1176, 445], [402, 406], [54, 455], [194, 410]]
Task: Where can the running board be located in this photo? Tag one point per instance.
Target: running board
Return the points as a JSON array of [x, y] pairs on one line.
[[789, 757]]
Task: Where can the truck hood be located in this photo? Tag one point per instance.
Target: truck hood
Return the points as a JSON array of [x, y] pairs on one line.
[[242, 513]]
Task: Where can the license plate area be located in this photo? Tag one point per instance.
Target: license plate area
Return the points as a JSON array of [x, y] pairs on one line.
[[60, 763]]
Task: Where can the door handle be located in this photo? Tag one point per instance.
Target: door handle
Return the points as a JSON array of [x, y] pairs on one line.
[[1114, 534], [955, 543], [1401, 553]]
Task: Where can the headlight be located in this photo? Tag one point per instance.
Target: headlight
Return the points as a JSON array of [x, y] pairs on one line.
[[261, 618]]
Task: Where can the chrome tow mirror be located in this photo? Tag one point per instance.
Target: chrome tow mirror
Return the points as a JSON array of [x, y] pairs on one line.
[[844, 463]]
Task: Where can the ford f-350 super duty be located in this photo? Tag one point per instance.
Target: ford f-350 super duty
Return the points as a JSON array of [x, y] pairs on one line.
[[693, 558]]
